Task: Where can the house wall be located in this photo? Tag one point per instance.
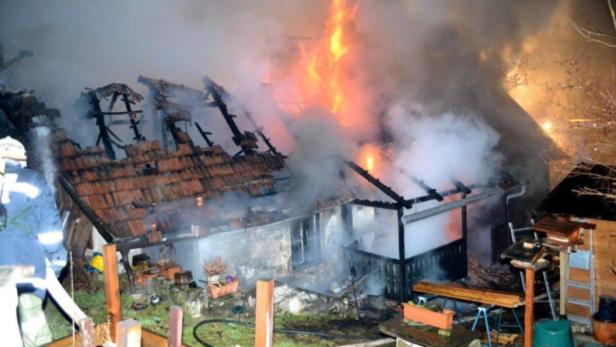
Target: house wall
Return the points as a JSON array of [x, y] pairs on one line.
[[266, 249], [257, 252]]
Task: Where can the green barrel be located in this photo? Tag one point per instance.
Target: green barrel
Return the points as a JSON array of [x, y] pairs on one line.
[[553, 334]]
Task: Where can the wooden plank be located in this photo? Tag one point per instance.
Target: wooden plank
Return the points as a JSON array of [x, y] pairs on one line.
[[151, 339], [384, 342], [560, 225], [86, 328], [130, 333], [148, 339], [578, 293], [112, 290], [483, 296], [579, 275], [578, 310], [460, 336], [529, 309], [175, 326], [264, 316], [564, 279]]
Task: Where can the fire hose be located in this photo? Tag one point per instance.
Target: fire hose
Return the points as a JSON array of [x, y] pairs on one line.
[[276, 330]]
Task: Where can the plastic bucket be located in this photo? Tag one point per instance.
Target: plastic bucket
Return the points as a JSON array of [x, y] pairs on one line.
[[553, 334], [607, 310]]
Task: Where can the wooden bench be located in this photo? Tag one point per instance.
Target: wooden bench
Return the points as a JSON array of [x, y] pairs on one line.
[[488, 297], [481, 296]]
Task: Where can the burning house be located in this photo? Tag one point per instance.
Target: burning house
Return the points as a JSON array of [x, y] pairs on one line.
[[356, 149]]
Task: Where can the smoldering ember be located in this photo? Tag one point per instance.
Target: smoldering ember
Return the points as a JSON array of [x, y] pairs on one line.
[[308, 173]]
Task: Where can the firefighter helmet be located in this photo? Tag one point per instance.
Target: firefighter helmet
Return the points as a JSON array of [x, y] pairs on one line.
[[11, 149]]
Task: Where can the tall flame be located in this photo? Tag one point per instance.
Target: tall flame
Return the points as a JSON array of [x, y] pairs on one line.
[[324, 77], [324, 66]]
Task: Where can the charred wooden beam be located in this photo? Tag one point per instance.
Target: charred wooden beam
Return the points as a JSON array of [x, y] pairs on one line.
[[104, 133], [205, 134], [259, 131], [377, 204], [429, 190], [246, 141], [378, 184], [133, 119]]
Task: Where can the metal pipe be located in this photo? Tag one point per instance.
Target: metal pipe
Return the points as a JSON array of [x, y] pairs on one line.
[[510, 197], [402, 256], [516, 195], [447, 207]]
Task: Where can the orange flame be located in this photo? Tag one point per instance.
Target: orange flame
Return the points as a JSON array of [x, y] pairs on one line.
[[325, 77], [369, 158], [323, 68]]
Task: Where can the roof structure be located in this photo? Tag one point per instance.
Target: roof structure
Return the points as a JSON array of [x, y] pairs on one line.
[[521, 136], [122, 192], [587, 192]]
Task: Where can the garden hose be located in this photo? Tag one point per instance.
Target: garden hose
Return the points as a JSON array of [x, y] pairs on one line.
[[276, 330]]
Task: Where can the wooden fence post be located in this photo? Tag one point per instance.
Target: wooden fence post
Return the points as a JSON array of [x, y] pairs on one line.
[[130, 333], [86, 329], [264, 320], [112, 290], [175, 327], [529, 307]]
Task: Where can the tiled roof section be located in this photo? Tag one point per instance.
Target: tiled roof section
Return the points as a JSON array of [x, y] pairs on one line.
[[121, 191]]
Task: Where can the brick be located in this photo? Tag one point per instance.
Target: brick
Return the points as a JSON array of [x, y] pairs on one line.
[[122, 197], [89, 175], [137, 213], [84, 189]]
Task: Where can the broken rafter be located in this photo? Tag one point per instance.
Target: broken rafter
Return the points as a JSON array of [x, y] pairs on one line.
[[246, 141], [378, 184], [104, 132], [205, 134], [377, 204]]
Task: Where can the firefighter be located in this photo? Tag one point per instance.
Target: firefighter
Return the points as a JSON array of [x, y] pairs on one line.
[[30, 234]]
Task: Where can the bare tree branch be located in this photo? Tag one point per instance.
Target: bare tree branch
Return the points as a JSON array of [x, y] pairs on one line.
[[609, 4], [594, 36]]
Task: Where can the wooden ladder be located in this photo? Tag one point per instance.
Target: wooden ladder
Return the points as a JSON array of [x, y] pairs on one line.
[[579, 285]]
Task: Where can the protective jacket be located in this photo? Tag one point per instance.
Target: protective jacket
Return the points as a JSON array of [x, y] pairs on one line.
[[34, 230]]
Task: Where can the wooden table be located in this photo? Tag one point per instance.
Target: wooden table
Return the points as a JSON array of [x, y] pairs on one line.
[[428, 336]]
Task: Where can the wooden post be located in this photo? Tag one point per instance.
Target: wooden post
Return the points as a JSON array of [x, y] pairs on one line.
[[264, 325], [564, 281], [175, 327], [529, 307], [112, 290], [130, 333], [86, 328]]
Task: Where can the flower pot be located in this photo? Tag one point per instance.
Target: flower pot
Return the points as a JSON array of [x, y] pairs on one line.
[[169, 271], [217, 291], [441, 320], [604, 332]]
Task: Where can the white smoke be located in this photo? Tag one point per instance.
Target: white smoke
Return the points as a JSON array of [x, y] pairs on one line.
[[45, 159], [436, 150]]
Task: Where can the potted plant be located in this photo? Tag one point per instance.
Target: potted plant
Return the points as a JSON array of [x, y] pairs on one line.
[[442, 320], [218, 284]]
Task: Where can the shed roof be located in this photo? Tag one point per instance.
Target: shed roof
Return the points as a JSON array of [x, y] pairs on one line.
[[588, 191]]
